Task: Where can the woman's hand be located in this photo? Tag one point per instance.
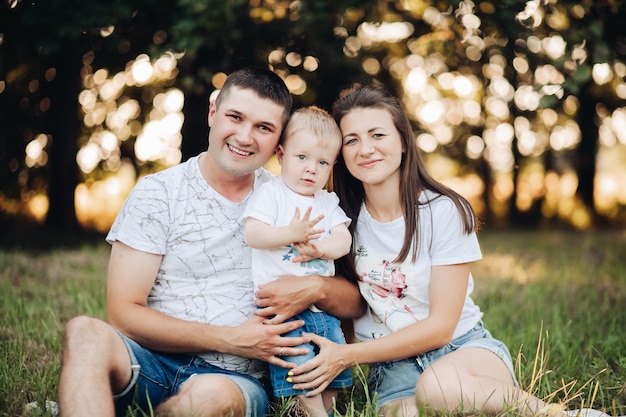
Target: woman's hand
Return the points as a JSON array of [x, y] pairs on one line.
[[318, 372]]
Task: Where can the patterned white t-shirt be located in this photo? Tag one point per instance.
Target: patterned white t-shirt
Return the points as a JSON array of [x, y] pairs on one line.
[[205, 272], [398, 293], [274, 203]]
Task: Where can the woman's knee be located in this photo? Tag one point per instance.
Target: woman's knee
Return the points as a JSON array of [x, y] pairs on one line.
[[438, 392]]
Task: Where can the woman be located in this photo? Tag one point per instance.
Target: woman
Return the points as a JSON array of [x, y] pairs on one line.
[[422, 334]]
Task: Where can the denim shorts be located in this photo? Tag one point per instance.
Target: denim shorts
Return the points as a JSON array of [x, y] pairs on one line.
[[157, 376], [322, 324], [397, 379]]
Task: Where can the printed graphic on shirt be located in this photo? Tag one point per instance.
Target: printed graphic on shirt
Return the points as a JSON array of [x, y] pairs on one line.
[[313, 267], [388, 289]]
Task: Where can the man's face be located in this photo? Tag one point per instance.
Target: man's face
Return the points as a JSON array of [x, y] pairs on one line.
[[244, 131]]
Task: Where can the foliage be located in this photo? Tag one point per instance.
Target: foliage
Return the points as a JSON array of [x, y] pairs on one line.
[[554, 298], [45, 45]]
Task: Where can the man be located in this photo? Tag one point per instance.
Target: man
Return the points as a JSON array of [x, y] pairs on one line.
[[179, 335]]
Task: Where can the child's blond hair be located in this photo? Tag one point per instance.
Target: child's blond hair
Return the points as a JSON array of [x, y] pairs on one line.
[[317, 121]]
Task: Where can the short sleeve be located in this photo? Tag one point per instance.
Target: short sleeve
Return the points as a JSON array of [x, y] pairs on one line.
[[450, 243], [143, 222]]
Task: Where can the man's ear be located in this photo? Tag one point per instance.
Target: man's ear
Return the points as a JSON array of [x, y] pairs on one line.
[[280, 152], [212, 111]]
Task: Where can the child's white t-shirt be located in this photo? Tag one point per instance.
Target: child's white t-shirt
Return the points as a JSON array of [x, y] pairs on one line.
[[274, 203]]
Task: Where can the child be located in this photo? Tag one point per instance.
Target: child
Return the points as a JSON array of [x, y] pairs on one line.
[[284, 243]]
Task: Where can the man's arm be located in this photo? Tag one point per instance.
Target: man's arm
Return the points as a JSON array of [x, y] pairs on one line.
[[289, 295], [130, 278]]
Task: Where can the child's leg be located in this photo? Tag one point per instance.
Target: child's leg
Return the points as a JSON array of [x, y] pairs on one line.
[[314, 406], [329, 397]]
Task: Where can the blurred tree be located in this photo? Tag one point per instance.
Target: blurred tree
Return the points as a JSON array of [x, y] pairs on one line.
[[533, 62], [48, 43], [43, 47], [503, 50]]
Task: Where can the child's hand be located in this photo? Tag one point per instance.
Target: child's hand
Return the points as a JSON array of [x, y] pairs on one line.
[[307, 251], [303, 229]]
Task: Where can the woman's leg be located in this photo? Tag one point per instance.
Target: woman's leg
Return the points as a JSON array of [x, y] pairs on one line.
[[473, 380]]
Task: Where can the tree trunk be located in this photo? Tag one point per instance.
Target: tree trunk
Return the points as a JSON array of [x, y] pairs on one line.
[[587, 149], [64, 129], [195, 129]]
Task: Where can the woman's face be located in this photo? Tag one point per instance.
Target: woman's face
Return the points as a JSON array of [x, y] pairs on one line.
[[372, 148]]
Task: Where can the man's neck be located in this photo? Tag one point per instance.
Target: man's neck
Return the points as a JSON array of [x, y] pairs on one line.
[[234, 188]]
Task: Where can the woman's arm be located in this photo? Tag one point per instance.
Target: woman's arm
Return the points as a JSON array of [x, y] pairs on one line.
[[448, 289]]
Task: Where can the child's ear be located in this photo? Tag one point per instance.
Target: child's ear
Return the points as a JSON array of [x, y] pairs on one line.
[[280, 152]]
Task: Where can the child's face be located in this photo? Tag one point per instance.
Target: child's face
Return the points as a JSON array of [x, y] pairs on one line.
[[305, 163]]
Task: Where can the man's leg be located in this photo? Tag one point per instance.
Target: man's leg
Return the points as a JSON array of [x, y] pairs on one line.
[[95, 364], [211, 395]]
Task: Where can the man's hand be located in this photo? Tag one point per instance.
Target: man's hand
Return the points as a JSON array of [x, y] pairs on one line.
[[286, 296], [256, 340]]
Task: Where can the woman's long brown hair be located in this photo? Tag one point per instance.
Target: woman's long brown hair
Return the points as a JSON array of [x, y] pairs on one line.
[[414, 177]]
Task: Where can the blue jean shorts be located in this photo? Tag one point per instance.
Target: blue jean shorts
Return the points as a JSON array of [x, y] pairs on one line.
[[397, 379], [322, 324], [157, 376]]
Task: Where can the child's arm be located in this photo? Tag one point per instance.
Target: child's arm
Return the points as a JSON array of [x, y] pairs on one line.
[[333, 247], [260, 235]]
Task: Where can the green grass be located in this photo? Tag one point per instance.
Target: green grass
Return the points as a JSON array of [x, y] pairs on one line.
[[558, 299]]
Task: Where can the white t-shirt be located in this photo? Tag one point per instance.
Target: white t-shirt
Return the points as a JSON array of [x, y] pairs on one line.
[[205, 272], [274, 203], [398, 294]]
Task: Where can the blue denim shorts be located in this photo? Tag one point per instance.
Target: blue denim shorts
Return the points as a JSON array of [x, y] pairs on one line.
[[397, 379], [157, 376], [322, 324]]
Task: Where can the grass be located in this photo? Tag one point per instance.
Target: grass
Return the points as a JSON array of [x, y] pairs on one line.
[[558, 299]]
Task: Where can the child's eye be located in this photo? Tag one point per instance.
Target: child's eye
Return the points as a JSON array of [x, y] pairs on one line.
[[323, 163], [301, 157]]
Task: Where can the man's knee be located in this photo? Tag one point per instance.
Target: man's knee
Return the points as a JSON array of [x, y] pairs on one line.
[[82, 325], [216, 394], [92, 337]]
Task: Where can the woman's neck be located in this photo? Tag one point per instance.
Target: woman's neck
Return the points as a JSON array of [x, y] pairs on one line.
[[383, 202]]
